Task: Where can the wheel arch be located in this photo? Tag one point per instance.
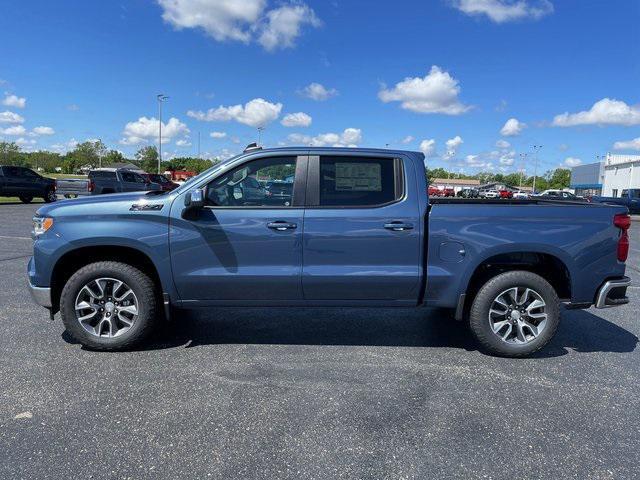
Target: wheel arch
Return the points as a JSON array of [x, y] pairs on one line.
[[73, 260]]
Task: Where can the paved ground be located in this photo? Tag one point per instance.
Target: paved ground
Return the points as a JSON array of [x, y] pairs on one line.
[[307, 394]]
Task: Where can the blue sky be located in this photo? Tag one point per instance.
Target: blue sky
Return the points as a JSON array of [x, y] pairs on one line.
[[490, 77]]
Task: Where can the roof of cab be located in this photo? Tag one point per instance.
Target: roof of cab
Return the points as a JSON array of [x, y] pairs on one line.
[[334, 150]]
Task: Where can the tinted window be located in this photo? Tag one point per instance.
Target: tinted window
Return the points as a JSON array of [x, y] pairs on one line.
[[103, 175], [12, 171], [28, 173], [244, 186], [352, 181], [131, 177]]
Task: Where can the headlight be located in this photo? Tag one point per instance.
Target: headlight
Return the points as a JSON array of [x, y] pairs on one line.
[[41, 225]]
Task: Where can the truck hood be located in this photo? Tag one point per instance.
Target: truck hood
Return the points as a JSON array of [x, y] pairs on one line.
[[104, 203]]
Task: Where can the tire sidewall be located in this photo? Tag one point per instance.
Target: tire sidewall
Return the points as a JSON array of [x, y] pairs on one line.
[[50, 196], [479, 315], [25, 199], [127, 274]]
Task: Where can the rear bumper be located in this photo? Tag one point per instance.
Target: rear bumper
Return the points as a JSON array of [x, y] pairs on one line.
[[613, 293], [41, 295]]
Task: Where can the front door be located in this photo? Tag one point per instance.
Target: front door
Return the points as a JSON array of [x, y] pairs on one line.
[[132, 182], [244, 246], [362, 230]]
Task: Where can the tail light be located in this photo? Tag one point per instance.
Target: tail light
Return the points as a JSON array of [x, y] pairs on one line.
[[623, 222], [92, 186]]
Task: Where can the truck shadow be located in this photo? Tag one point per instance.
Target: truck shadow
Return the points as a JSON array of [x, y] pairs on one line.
[[579, 330]]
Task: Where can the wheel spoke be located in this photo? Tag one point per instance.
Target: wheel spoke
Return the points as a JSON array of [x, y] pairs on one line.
[[499, 325], [84, 318], [132, 309], [535, 305], [532, 328], [518, 315], [507, 332], [520, 333], [119, 298]]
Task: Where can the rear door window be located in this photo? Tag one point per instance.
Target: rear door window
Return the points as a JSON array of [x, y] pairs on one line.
[[358, 181]]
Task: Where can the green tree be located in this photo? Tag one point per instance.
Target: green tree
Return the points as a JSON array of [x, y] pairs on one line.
[[147, 158], [85, 153], [560, 178], [10, 154], [113, 156]]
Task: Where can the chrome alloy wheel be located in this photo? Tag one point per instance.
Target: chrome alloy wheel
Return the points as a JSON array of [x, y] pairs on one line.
[[106, 307], [518, 315]]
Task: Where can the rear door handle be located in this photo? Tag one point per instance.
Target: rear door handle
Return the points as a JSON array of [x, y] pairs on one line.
[[398, 226], [281, 226]]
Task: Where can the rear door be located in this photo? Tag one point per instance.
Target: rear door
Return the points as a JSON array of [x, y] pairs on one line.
[[362, 230], [15, 181], [132, 182], [242, 247]]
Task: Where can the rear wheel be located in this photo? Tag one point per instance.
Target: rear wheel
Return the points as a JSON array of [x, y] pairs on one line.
[[109, 306], [25, 199], [50, 196], [515, 314]]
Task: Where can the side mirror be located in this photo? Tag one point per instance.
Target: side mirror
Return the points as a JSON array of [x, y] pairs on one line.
[[194, 199]]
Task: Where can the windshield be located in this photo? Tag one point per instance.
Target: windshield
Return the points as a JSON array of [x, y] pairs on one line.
[[191, 181]]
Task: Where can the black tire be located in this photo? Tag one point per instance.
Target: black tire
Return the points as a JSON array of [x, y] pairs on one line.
[[25, 199], [479, 315], [143, 289], [50, 196]]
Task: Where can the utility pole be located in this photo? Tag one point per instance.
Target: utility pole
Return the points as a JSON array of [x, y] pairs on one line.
[[161, 98], [536, 149], [198, 144]]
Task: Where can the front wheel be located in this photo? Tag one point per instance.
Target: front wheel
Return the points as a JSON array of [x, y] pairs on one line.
[[25, 199], [515, 314], [109, 306]]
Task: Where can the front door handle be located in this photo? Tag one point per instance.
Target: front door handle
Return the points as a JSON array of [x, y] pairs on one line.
[[281, 226], [398, 226]]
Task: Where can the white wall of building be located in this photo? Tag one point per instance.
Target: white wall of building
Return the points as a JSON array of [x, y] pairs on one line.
[[620, 173]]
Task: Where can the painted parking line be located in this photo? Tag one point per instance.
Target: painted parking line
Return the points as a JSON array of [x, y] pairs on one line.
[[16, 238]]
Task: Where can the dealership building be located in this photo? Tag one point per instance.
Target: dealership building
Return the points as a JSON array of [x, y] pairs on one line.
[[607, 178]]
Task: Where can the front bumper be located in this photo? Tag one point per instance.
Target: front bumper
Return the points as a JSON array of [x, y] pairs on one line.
[[41, 295], [613, 293]]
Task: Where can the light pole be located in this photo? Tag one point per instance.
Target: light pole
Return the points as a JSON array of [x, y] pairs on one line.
[[523, 162], [536, 149], [161, 98]]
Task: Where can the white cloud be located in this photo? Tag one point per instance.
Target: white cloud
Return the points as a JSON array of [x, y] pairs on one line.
[[145, 128], [218, 134], [10, 117], [507, 158], [24, 142], [318, 92], [572, 162], [350, 137], [14, 101], [183, 142], [44, 131], [501, 11], [282, 26], [628, 145], [512, 127], [476, 161], [603, 112], [299, 119], [428, 147], [502, 144], [436, 92], [255, 113], [408, 139], [452, 145], [241, 20], [14, 130]]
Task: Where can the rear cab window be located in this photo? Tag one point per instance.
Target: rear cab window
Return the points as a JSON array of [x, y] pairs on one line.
[[359, 181]]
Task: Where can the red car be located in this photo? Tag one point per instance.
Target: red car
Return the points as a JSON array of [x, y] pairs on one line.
[[434, 191], [506, 194], [448, 192], [166, 184]]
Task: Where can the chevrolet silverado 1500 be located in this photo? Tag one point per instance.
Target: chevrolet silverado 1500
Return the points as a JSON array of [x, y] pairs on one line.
[[357, 229]]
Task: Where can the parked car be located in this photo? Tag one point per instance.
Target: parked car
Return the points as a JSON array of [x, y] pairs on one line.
[[505, 193], [116, 180], [630, 198], [520, 195], [468, 193], [490, 194], [26, 184], [558, 195], [448, 192], [434, 191], [279, 192], [116, 265], [166, 185]]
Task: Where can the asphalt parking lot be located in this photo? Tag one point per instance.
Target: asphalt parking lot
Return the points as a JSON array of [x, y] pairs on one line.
[[317, 393]]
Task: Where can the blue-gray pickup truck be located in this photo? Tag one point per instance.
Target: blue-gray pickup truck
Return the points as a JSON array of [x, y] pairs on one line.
[[629, 198], [356, 230]]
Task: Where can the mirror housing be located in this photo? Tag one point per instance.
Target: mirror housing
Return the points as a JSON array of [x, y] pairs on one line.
[[194, 199]]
